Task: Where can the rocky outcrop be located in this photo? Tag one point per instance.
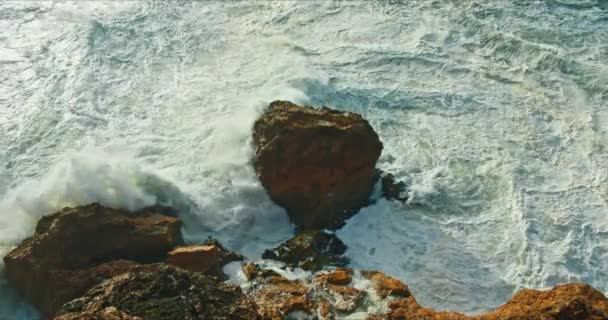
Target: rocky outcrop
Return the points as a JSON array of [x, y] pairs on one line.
[[322, 296], [76, 248], [163, 292], [574, 301], [319, 164], [372, 295], [208, 258], [571, 301], [310, 250]]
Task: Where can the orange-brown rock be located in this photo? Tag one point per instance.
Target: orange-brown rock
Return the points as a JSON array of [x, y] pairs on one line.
[[575, 301], [277, 297], [109, 313], [331, 294], [208, 258], [571, 301], [385, 285], [319, 164], [340, 276], [75, 248], [408, 309], [164, 292], [252, 271]]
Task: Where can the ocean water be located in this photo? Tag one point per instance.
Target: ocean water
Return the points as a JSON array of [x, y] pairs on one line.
[[494, 112]]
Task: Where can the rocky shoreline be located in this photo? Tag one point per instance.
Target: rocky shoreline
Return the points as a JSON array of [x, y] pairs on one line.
[[93, 262]]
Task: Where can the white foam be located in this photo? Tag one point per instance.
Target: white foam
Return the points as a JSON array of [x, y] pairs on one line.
[[91, 176]]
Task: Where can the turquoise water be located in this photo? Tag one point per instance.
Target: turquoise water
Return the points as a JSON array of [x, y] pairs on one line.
[[495, 113]]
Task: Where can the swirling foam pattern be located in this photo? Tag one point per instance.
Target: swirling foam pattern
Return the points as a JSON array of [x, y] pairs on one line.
[[495, 112]]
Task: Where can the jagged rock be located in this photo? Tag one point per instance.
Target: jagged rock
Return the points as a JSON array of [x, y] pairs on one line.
[[340, 276], [253, 271], [392, 188], [73, 250], [408, 308], [386, 286], [109, 313], [277, 297], [207, 258], [324, 295], [331, 294], [575, 301], [316, 163], [571, 301], [164, 292], [332, 287], [310, 250]]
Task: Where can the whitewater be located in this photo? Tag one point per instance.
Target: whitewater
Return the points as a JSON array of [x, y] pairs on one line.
[[494, 112]]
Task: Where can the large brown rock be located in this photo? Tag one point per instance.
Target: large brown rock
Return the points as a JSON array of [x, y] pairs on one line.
[[319, 164], [163, 292], [76, 248]]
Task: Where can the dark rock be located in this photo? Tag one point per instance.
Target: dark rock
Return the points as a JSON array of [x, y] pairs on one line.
[[316, 163], [253, 271], [164, 292], [75, 248], [310, 250], [393, 189], [208, 258]]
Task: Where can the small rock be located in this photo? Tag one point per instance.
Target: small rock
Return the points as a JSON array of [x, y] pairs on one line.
[[332, 286], [310, 250], [319, 164], [207, 258], [340, 276], [253, 271]]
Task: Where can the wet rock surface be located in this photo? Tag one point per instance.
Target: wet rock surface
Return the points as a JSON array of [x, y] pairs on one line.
[[319, 164], [164, 292], [208, 258], [392, 188], [569, 301], [322, 296], [77, 248], [310, 250], [373, 295]]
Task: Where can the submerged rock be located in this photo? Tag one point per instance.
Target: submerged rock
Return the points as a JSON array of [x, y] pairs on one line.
[[76, 248], [207, 258], [319, 164], [392, 188], [163, 292], [310, 250]]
